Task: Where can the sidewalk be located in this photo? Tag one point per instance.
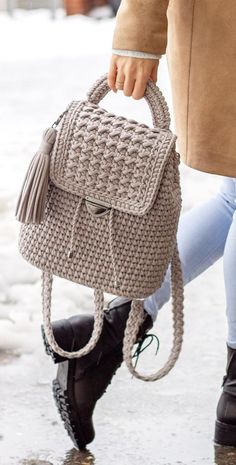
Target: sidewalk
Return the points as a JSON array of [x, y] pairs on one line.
[[167, 422]]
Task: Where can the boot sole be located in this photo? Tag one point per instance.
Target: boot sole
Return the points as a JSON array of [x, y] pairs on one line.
[[62, 386], [62, 392], [225, 434]]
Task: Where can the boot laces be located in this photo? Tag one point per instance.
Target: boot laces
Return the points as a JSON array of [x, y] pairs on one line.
[[141, 348]]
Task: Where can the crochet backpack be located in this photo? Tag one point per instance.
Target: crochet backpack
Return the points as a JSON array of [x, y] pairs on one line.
[[100, 206]]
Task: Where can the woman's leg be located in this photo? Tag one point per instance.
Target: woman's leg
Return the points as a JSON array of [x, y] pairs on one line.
[[201, 237], [229, 264], [225, 426]]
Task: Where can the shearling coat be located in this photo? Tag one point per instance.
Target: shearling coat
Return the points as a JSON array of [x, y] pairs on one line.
[[199, 38]]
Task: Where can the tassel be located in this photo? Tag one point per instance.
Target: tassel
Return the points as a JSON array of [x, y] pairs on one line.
[[31, 203]]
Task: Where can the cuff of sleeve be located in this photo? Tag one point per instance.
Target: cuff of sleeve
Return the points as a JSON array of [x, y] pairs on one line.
[[136, 54]]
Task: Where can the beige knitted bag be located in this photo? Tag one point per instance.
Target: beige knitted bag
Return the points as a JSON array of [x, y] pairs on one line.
[[100, 206]]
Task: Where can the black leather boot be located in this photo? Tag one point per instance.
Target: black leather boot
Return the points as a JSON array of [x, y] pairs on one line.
[[81, 382], [225, 428]]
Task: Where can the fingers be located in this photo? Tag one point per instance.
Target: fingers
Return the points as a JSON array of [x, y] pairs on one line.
[[140, 86], [112, 73], [129, 86], [131, 75], [154, 71], [142, 78], [124, 81], [120, 79]]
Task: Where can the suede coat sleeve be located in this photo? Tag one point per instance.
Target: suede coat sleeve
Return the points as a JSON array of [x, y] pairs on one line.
[[141, 25]]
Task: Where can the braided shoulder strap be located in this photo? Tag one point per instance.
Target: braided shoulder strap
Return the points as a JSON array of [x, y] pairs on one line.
[[136, 316], [47, 281]]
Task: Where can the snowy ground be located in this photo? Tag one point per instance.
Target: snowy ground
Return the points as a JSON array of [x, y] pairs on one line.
[[44, 65]]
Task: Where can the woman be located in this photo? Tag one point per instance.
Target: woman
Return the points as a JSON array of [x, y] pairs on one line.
[[201, 56]]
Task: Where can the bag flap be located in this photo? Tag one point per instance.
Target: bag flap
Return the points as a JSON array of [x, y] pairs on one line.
[[110, 158]]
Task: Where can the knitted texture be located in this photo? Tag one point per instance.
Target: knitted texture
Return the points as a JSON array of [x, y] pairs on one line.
[[112, 212]]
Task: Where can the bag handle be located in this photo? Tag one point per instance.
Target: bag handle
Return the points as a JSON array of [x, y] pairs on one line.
[[136, 317], [154, 97]]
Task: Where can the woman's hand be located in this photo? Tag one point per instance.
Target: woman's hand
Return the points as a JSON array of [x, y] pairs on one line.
[[131, 74]]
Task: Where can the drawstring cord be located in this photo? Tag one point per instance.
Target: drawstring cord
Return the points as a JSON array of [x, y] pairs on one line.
[[149, 338], [72, 237], [141, 349]]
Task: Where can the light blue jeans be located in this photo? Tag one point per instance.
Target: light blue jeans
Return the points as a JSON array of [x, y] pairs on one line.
[[206, 232]]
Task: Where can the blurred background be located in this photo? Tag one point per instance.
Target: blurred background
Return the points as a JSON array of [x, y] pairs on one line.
[[71, 7], [51, 52]]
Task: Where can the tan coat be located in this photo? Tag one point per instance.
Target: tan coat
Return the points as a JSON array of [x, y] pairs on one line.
[[201, 55]]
